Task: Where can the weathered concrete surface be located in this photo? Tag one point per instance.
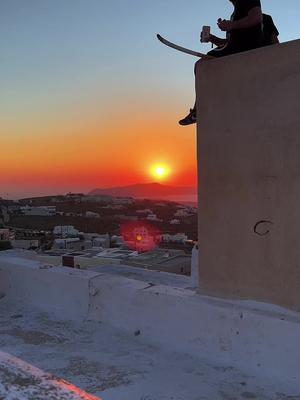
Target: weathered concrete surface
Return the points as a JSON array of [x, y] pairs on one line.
[[113, 365], [246, 335], [249, 175], [22, 381]]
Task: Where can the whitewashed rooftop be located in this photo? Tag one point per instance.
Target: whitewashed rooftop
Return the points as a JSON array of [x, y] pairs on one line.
[[114, 365], [138, 341]]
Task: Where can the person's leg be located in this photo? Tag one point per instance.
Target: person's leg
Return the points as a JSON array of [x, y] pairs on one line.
[[197, 64], [191, 118]]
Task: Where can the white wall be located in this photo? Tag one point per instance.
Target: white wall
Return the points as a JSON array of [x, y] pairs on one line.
[[248, 335], [63, 290]]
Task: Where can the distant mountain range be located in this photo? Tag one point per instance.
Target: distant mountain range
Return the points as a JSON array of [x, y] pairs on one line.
[[146, 190]]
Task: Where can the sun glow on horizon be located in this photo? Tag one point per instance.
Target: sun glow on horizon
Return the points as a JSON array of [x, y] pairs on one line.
[[160, 171]]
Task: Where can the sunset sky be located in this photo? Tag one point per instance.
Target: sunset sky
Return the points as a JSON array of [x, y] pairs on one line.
[[89, 97]]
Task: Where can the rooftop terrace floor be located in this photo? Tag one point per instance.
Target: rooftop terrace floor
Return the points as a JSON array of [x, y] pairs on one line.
[[114, 365]]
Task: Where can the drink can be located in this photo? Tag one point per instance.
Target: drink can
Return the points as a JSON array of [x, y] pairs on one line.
[[205, 34]]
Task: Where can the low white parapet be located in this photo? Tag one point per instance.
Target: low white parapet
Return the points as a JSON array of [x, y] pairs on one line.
[[248, 335], [63, 290], [245, 334]]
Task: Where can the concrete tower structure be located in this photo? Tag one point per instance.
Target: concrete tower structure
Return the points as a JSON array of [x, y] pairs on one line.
[[249, 175]]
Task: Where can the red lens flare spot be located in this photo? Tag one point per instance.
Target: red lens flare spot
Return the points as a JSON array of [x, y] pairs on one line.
[[140, 235]]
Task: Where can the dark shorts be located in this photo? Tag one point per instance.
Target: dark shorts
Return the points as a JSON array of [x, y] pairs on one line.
[[230, 49], [223, 51]]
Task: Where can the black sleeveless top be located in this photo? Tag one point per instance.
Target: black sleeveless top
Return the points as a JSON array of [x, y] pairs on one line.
[[249, 38]]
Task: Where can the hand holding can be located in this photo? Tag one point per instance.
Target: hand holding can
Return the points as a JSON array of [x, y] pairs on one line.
[[205, 34]]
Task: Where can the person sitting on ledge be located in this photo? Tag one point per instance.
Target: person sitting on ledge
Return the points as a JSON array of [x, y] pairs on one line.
[[243, 32]]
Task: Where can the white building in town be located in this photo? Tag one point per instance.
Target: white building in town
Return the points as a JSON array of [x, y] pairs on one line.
[[153, 217], [175, 222], [98, 240], [123, 200], [67, 243], [145, 211], [186, 212], [25, 244], [182, 213], [177, 238], [42, 211], [91, 214], [65, 231], [113, 207], [117, 241]]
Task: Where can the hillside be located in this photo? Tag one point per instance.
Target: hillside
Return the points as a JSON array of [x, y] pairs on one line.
[[148, 190]]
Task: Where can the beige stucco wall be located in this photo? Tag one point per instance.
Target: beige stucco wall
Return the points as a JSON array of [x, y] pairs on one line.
[[249, 171]]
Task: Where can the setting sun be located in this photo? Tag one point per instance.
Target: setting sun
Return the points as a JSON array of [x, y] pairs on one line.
[[160, 171]]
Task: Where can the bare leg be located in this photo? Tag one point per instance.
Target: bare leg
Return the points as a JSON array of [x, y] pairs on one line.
[[191, 118], [199, 62]]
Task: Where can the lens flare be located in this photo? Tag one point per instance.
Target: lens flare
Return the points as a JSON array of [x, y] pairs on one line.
[[140, 235]]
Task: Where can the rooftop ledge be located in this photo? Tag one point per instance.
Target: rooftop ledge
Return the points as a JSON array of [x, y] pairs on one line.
[[117, 337]]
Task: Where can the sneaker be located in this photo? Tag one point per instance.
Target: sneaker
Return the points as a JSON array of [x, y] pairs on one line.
[[191, 118]]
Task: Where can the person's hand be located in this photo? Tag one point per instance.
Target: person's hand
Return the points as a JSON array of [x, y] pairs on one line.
[[225, 25], [205, 39], [211, 38]]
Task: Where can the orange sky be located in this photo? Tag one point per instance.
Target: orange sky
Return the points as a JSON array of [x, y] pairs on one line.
[[81, 150], [89, 96]]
